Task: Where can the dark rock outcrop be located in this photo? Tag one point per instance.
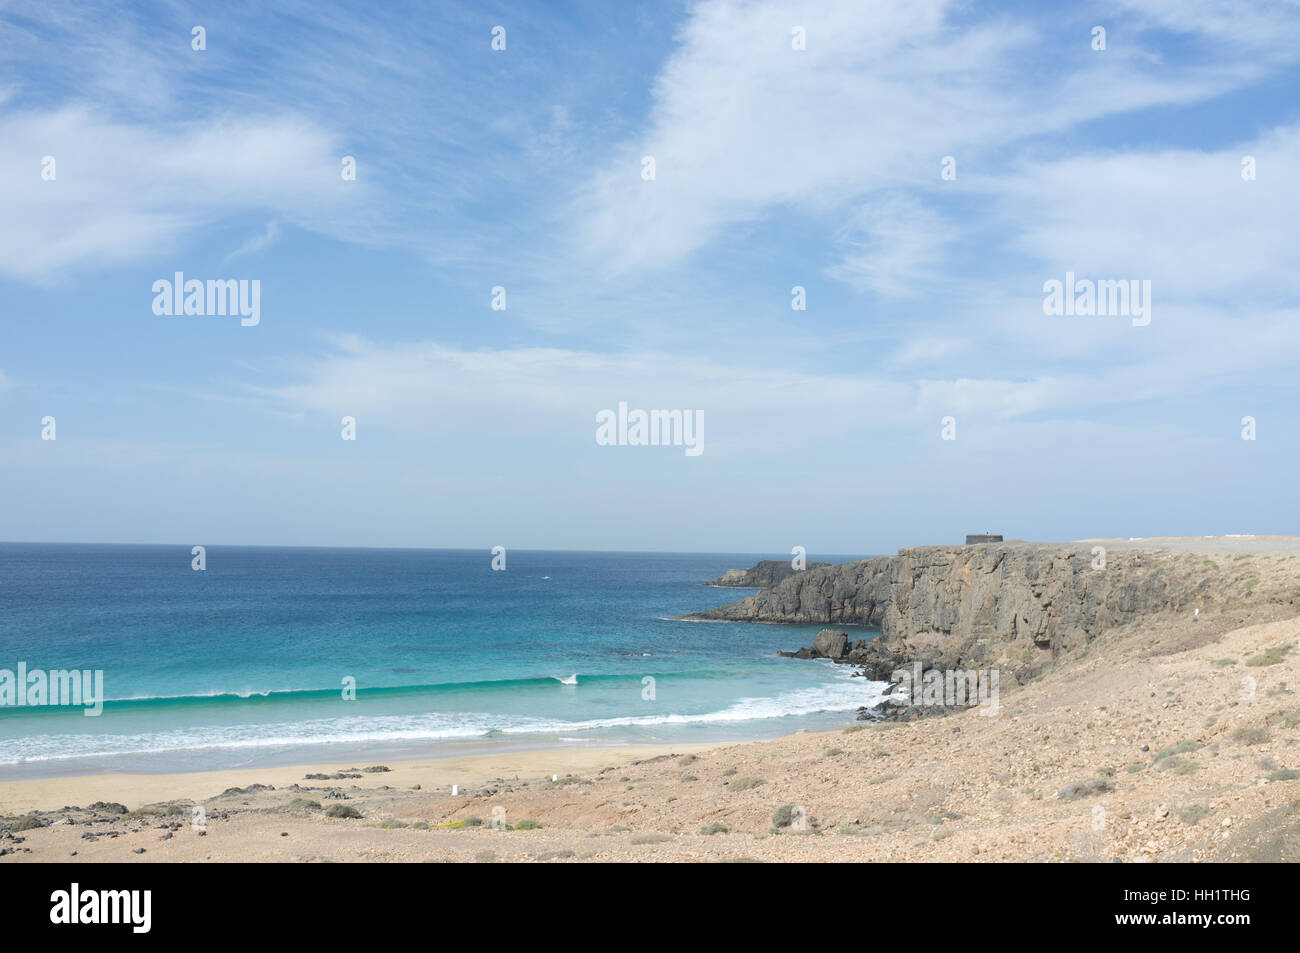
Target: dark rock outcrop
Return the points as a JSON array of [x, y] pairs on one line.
[[764, 575], [828, 643], [108, 807], [998, 604]]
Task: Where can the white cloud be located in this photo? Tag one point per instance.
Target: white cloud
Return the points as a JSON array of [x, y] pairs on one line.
[[929, 350], [258, 243], [1184, 219], [742, 125], [892, 246], [552, 394], [125, 190]]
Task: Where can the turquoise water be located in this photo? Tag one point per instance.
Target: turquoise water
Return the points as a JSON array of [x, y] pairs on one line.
[[244, 663]]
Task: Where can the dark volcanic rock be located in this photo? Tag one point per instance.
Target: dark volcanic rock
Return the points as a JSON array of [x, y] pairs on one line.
[[251, 789], [108, 807], [763, 575]]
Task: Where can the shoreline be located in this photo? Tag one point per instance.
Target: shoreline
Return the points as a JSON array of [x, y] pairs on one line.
[[434, 775], [1140, 748]]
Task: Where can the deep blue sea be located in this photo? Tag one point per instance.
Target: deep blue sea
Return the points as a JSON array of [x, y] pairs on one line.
[[245, 663]]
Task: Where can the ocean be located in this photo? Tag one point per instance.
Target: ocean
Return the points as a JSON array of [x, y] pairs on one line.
[[249, 661]]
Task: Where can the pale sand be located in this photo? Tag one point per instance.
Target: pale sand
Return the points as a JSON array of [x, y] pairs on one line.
[[964, 787], [135, 790]]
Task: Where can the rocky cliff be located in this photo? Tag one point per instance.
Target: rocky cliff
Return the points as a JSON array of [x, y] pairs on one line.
[[764, 575], [972, 606]]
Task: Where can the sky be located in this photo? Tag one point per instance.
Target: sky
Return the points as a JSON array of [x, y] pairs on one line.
[[922, 171]]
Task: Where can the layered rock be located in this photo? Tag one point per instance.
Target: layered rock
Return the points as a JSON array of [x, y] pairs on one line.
[[764, 575], [959, 607], [828, 643]]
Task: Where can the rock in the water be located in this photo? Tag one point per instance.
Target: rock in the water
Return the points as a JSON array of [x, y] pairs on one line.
[[763, 575], [831, 644]]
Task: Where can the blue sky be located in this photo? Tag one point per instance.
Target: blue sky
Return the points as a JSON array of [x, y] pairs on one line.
[[522, 168]]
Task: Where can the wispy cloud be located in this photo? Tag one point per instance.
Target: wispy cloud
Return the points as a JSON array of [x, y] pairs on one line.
[[892, 246], [258, 243], [742, 125], [774, 167], [122, 191]]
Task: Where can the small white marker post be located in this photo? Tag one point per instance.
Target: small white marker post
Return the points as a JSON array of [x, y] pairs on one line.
[[455, 789], [555, 777]]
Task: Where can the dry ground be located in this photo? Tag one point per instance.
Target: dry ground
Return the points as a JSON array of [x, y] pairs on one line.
[[1219, 690]]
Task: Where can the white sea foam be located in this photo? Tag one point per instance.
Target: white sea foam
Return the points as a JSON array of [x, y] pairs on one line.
[[842, 694]]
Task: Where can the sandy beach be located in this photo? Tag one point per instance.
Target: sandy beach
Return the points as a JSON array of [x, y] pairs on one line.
[[432, 774], [1174, 740]]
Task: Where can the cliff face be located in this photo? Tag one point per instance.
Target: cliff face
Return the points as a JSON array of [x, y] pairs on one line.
[[962, 606], [763, 575]]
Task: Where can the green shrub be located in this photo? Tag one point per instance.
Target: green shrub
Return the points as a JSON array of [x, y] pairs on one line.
[[784, 815], [1286, 774], [28, 822], [833, 752], [526, 825], [1194, 814], [1250, 735], [1081, 789], [713, 827], [342, 810], [746, 783], [1271, 656], [1183, 747]]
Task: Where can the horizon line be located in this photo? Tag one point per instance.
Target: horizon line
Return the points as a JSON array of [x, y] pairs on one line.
[[425, 549]]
